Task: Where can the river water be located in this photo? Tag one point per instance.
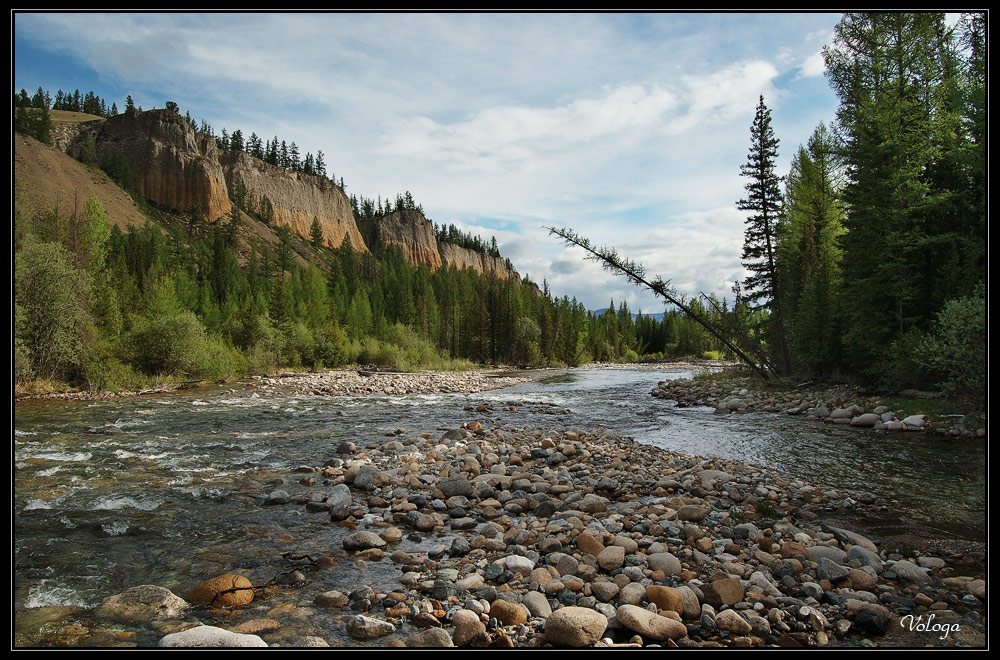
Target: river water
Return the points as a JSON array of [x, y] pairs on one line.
[[169, 500]]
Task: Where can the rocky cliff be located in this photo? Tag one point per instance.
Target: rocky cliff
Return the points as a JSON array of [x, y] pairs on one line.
[[410, 231], [178, 168]]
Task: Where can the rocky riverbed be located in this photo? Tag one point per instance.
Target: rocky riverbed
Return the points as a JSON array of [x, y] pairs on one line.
[[532, 537], [372, 382]]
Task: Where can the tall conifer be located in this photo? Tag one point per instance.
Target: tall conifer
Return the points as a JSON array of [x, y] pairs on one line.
[[763, 201]]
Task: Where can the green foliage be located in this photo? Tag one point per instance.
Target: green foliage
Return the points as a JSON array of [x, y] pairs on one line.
[[763, 201], [53, 296], [808, 256], [88, 151], [23, 370], [316, 232], [956, 348], [168, 339]]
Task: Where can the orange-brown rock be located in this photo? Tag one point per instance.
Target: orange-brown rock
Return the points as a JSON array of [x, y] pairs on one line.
[[666, 598], [508, 613], [412, 233], [587, 543], [222, 591]]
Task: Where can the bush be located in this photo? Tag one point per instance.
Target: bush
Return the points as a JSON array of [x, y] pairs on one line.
[[109, 374], [51, 298], [955, 350], [169, 343], [332, 346], [221, 362]]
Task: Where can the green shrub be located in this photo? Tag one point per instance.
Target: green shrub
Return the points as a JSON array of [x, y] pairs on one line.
[[51, 298], [109, 374], [221, 362], [955, 350], [169, 343]]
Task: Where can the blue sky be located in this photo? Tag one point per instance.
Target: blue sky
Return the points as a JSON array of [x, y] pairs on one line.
[[628, 128]]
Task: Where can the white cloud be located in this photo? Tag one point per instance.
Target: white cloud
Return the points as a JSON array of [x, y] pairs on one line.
[[812, 66], [502, 136]]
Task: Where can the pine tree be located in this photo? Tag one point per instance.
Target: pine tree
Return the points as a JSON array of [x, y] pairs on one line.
[[807, 255], [316, 232], [763, 201]]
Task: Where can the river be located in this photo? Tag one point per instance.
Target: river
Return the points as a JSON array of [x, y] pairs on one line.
[[167, 496]]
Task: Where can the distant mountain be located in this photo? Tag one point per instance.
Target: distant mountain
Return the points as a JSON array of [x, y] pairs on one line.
[[655, 317]]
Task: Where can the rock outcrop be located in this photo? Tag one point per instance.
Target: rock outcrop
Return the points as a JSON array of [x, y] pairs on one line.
[[177, 167], [412, 233]]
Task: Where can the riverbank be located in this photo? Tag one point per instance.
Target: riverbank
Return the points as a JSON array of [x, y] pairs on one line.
[[507, 537], [359, 381], [731, 392]]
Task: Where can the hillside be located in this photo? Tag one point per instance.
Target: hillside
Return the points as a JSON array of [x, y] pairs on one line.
[[48, 179]]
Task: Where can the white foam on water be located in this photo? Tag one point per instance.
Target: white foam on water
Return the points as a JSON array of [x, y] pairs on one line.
[[44, 595], [67, 456], [50, 471], [67, 523], [19, 432], [112, 503], [116, 528], [121, 453], [33, 505], [132, 422], [248, 435]]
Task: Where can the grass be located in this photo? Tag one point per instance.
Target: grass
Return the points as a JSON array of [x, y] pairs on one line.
[[766, 510], [70, 117]]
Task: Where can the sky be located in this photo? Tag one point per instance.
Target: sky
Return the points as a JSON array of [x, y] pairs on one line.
[[629, 129]]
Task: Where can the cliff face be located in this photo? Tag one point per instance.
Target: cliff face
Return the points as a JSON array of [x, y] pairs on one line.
[[460, 257], [414, 235], [297, 198], [177, 168]]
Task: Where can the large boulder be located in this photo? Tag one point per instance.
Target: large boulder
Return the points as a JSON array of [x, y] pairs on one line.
[[210, 637], [576, 627], [141, 604], [723, 592], [648, 624]]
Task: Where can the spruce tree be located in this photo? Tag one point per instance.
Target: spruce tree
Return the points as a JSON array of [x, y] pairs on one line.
[[763, 201], [316, 232]]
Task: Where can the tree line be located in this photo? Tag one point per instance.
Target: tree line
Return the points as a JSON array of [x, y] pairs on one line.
[[109, 309]]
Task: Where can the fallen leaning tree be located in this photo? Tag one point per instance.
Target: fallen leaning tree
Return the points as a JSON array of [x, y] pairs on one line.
[[636, 274]]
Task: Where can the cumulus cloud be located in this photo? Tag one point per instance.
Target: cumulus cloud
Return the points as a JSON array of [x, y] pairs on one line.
[[500, 136], [814, 65]]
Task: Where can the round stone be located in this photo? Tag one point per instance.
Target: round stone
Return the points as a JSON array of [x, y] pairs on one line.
[[576, 627]]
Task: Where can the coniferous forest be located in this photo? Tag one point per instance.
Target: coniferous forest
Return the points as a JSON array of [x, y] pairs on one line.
[[867, 257]]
